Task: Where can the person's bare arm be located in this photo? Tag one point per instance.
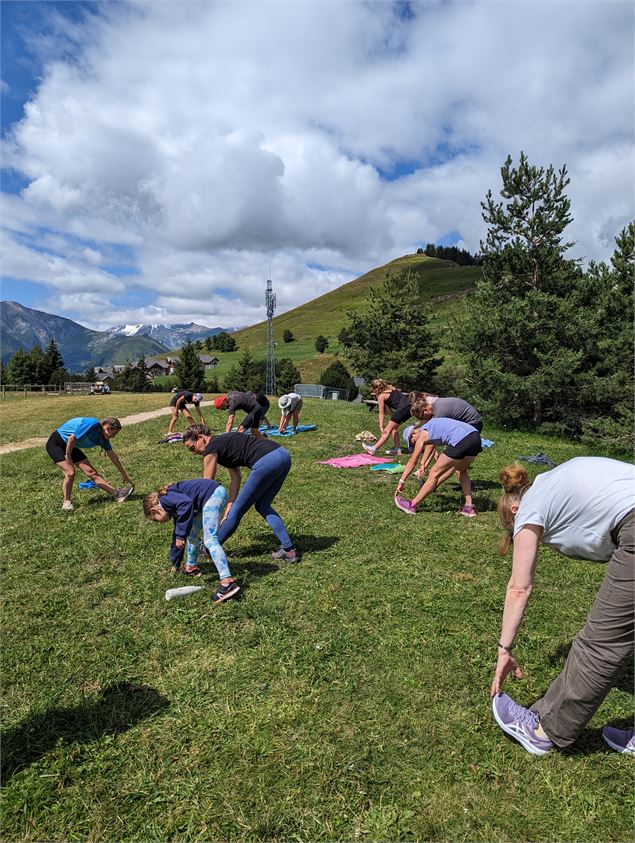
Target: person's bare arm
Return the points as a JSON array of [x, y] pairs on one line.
[[519, 589], [114, 459], [210, 461], [412, 462], [230, 422]]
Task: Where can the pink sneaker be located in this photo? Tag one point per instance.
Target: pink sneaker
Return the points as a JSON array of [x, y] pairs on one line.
[[405, 505], [468, 511]]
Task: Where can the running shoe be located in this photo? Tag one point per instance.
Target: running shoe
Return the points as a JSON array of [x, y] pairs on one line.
[[288, 555], [122, 495], [67, 506], [405, 505], [368, 448], [520, 724], [621, 740], [226, 592], [468, 511], [394, 452]]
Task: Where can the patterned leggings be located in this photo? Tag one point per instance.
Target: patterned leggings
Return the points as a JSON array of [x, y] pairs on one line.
[[208, 520]]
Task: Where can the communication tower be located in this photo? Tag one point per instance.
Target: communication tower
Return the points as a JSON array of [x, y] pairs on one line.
[[270, 301]]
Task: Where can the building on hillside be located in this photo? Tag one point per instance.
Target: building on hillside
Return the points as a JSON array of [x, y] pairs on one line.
[[208, 362], [156, 368]]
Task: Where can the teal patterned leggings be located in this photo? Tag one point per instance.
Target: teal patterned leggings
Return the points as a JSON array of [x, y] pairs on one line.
[[208, 520]]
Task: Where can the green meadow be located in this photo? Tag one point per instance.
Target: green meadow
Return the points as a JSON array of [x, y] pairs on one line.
[[342, 698]]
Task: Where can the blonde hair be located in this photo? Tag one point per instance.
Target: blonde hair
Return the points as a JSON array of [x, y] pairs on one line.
[[379, 385], [151, 500], [515, 482]]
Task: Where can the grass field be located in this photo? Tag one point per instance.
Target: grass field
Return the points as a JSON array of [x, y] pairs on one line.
[[343, 698]]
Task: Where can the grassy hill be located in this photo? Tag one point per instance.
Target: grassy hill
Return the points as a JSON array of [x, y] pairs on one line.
[[443, 284]]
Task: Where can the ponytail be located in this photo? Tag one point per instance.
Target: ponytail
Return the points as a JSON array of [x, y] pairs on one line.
[[515, 482], [151, 500]]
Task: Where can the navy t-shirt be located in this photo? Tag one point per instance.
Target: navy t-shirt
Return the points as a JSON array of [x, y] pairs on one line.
[[238, 449]]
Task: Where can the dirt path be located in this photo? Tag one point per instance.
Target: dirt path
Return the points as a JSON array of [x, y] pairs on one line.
[[134, 419]]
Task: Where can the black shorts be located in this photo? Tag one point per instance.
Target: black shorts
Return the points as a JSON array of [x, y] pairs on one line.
[[183, 403], [468, 447], [254, 418], [56, 449], [401, 414]]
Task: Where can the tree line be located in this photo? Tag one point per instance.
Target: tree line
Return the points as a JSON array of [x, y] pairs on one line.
[[542, 344], [451, 253]]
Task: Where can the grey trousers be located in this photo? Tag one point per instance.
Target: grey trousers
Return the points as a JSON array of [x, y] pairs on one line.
[[600, 652]]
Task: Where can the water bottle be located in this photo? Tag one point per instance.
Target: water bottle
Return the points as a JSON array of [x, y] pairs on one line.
[[184, 591]]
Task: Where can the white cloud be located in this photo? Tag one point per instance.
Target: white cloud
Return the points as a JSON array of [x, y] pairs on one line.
[[213, 139]]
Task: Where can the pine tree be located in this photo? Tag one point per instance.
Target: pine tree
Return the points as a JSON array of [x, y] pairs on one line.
[[337, 375], [189, 370], [20, 369], [247, 375], [287, 335], [321, 344], [533, 336], [393, 339], [52, 363]]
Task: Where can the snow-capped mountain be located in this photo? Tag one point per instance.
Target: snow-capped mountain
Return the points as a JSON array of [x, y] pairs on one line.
[[171, 336]]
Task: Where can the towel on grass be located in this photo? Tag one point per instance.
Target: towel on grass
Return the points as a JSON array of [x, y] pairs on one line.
[[487, 443], [171, 438], [354, 461], [391, 468], [539, 459]]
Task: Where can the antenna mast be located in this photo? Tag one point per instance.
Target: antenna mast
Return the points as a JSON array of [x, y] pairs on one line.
[[270, 301]]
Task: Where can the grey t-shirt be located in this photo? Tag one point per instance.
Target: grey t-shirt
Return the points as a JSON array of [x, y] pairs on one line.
[[241, 401], [455, 408], [578, 504]]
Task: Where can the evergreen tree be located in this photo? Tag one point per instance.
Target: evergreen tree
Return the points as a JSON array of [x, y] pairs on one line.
[[287, 375], [528, 339], [20, 369], [247, 375], [393, 338], [337, 375], [287, 335], [189, 370], [208, 343], [321, 344], [89, 375], [223, 342], [52, 363]]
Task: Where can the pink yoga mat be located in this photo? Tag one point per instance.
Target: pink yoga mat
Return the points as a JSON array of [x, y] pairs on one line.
[[354, 461]]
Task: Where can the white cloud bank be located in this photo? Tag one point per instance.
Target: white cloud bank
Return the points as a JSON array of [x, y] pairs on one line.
[[215, 140]]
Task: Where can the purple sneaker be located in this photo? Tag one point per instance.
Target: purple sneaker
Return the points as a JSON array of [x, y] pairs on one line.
[[621, 740], [368, 448], [468, 511], [405, 505], [519, 723]]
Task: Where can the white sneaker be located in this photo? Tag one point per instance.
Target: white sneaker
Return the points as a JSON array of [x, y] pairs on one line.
[[368, 448], [67, 506]]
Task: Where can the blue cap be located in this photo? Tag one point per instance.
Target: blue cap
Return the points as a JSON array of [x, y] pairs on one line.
[[197, 397]]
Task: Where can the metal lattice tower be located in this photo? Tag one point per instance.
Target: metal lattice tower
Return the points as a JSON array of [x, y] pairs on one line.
[[270, 301]]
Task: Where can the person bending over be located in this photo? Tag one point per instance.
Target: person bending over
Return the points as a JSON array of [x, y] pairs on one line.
[[269, 464], [194, 505], [290, 406], [393, 400], [179, 402], [585, 509], [463, 445], [64, 448], [255, 404]]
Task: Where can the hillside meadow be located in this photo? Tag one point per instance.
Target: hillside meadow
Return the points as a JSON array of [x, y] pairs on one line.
[[342, 698], [442, 284]]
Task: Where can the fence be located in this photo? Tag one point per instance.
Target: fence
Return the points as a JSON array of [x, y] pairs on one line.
[[29, 389], [316, 390]]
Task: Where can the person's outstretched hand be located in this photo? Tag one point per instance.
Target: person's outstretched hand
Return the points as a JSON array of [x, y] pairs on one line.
[[505, 665]]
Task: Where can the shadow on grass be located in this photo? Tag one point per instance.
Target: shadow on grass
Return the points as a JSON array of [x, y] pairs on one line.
[[118, 708], [304, 543]]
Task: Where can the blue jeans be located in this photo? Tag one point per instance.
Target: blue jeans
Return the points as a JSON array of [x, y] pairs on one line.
[[263, 484], [208, 520]]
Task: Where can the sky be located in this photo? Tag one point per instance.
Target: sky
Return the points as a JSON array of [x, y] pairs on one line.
[[161, 159]]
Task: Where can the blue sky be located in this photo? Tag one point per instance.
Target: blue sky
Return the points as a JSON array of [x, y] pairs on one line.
[[161, 160]]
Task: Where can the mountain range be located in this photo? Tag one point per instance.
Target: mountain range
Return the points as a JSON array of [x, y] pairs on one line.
[[22, 328], [171, 336]]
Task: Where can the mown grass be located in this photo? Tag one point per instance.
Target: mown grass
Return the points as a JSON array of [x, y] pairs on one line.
[[344, 698]]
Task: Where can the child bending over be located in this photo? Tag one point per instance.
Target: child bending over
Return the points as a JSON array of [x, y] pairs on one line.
[[194, 504]]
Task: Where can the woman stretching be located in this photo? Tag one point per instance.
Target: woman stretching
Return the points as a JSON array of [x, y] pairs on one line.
[[584, 508], [398, 405], [269, 464], [463, 445], [64, 448], [290, 406], [255, 404], [424, 407], [194, 505]]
